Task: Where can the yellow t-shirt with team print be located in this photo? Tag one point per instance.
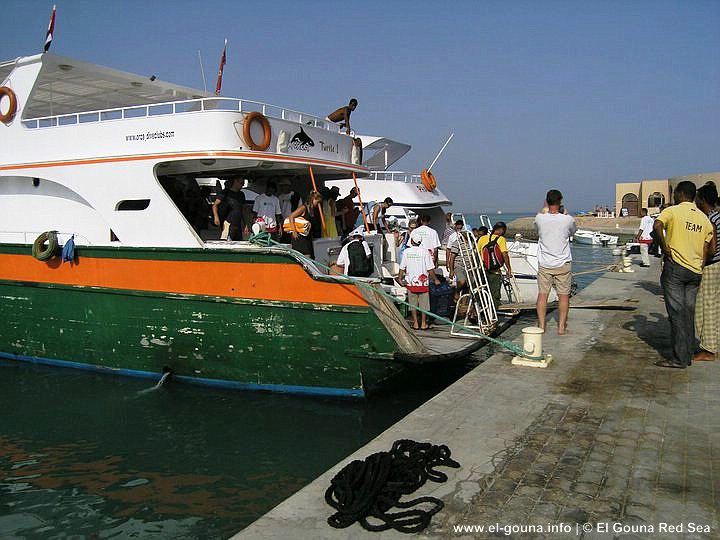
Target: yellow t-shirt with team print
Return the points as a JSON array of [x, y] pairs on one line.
[[687, 229]]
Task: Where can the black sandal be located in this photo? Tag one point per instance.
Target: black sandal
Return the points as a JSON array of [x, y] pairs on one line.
[[665, 363]]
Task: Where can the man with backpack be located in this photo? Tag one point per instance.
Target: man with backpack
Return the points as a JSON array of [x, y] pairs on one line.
[[554, 258], [355, 258], [494, 253]]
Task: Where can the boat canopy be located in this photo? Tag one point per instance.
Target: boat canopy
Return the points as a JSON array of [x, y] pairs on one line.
[[381, 152], [65, 86]]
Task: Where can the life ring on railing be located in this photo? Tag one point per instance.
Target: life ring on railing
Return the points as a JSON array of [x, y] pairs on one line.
[[12, 109], [267, 131], [42, 252], [428, 180]]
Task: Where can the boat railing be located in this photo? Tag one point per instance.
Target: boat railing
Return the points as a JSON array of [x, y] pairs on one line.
[[395, 176], [180, 107]]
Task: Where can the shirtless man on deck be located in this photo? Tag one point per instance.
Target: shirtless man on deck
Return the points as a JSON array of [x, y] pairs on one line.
[[342, 115]]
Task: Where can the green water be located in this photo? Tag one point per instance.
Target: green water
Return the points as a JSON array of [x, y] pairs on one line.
[[94, 456]]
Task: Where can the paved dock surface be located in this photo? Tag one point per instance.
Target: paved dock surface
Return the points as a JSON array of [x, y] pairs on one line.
[[601, 444]]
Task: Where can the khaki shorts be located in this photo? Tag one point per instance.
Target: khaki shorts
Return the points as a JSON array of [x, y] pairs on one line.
[[560, 278], [421, 300]]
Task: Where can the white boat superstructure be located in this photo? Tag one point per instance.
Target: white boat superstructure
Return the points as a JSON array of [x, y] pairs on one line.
[[98, 152], [410, 197]]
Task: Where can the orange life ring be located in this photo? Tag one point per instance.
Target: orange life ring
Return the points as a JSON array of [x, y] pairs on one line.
[[428, 180], [10, 114], [267, 132]]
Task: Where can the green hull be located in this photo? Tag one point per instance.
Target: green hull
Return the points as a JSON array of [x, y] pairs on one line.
[[256, 344]]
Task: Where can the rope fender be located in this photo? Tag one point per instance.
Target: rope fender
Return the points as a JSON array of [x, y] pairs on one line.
[[370, 488], [42, 252]]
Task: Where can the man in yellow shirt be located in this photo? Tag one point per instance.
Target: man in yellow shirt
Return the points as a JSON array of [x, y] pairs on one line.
[[493, 268], [684, 234]]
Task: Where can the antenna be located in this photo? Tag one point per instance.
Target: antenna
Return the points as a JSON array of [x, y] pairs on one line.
[[202, 71], [441, 151]]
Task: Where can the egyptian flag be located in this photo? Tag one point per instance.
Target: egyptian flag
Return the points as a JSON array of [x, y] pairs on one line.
[[220, 71], [50, 32]]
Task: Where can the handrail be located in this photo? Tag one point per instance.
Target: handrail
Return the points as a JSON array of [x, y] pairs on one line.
[[395, 176], [180, 107]]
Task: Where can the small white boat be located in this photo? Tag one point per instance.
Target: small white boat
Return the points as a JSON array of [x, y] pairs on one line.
[[594, 238]]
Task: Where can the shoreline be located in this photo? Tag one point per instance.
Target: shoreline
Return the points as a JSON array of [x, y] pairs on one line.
[[624, 227]]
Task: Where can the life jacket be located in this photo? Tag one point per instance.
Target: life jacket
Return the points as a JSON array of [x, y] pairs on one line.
[[492, 255], [360, 264]]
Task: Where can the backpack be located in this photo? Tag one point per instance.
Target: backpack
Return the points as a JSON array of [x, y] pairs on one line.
[[492, 255], [360, 264]]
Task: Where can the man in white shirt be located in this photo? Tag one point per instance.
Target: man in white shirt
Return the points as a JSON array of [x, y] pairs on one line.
[[355, 258], [416, 270], [644, 237], [430, 238], [267, 207], [554, 259]]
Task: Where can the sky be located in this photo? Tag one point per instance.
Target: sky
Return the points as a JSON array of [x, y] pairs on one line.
[[573, 95]]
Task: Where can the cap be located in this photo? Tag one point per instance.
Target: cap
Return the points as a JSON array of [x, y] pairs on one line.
[[358, 231], [416, 237]]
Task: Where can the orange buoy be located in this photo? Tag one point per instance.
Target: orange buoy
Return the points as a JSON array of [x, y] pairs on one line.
[[267, 131], [12, 109], [428, 180]]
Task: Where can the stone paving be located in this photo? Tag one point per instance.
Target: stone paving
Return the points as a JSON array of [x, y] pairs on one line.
[[601, 439]]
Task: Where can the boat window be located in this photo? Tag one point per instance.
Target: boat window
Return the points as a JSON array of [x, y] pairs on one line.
[[135, 112], [48, 122], [111, 115], [187, 106], [31, 124], [220, 105], [88, 117], [161, 109], [67, 120], [133, 204]]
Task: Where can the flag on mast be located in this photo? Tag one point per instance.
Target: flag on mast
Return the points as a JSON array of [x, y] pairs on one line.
[[220, 71], [50, 31]]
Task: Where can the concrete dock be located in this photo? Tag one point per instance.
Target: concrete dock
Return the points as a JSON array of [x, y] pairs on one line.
[[601, 444]]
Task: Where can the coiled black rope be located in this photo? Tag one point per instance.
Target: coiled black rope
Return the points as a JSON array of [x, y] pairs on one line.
[[370, 488]]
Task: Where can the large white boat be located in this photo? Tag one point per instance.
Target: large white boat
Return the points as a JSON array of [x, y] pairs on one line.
[[111, 160]]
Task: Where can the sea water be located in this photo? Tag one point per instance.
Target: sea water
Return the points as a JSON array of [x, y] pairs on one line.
[[86, 455]]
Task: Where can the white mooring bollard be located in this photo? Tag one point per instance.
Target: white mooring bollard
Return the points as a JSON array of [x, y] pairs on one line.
[[532, 345]]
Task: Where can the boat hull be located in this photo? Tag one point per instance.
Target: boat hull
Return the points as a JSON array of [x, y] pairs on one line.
[[301, 335]]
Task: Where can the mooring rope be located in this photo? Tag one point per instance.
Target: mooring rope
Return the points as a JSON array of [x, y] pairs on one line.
[[264, 239], [369, 488]]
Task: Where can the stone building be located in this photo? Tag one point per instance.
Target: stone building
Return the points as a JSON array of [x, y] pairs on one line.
[[630, 197]]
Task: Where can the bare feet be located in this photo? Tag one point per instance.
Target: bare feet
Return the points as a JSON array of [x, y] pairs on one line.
[[562, 331], [704, 356]]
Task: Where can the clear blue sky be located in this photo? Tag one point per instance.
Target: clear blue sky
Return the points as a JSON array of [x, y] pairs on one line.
[[574, 95]]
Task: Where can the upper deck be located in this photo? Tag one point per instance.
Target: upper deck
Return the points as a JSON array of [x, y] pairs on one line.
[[107, 112]]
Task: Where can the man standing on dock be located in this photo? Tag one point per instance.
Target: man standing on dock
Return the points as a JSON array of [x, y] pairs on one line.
[[684, 234], [644, 236], [554, 259]]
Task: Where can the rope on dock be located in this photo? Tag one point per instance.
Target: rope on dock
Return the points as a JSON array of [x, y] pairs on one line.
[[264, 239], [369, 488]]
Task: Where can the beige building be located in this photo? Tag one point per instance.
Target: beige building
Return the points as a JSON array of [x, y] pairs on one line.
[[653, 193], [632, 196]]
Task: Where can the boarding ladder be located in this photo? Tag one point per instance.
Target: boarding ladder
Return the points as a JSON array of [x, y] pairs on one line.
[[480, 313]]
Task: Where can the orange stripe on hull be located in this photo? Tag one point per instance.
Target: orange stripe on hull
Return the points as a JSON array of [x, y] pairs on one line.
[[235, 154], [257, 281]]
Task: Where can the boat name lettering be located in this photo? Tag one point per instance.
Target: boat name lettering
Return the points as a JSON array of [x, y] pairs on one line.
[[150, 135], [329, 147]]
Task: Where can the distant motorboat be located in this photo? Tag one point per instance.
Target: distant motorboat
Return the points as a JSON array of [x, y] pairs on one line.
[[594, 238]]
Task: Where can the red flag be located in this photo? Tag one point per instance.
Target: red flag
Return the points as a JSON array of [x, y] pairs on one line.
[[50, 32], [220, 71]]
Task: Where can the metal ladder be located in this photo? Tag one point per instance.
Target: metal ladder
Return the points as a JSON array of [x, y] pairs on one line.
[[480, 314]]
